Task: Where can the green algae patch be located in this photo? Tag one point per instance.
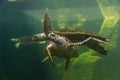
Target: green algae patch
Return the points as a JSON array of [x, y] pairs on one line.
[[111, 18], [86, 57]]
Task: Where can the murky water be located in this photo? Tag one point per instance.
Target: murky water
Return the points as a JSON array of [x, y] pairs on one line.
[[25, 17]]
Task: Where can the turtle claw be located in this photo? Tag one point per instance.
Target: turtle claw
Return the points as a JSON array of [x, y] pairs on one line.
[[45, 59]]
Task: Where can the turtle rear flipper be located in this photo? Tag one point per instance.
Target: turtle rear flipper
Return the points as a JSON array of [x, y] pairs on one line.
[[67, 63], [97, 47]]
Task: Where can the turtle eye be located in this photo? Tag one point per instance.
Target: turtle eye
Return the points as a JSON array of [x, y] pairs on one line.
[[52, 35]]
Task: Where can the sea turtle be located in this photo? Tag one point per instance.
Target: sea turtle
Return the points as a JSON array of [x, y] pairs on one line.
[[59, 45], [63, 43]]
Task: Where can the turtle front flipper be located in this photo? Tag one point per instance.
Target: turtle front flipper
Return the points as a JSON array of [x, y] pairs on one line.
[[80, 43], [67, 63], [96, 47], [47, 23], [47, 50]]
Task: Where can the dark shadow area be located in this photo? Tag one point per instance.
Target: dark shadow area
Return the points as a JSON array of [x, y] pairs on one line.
[[23, 63]]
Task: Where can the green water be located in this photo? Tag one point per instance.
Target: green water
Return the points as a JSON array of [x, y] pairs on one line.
[[23, 18]]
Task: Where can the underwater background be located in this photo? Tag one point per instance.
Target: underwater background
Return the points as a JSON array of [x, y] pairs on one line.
[[25, 17]]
